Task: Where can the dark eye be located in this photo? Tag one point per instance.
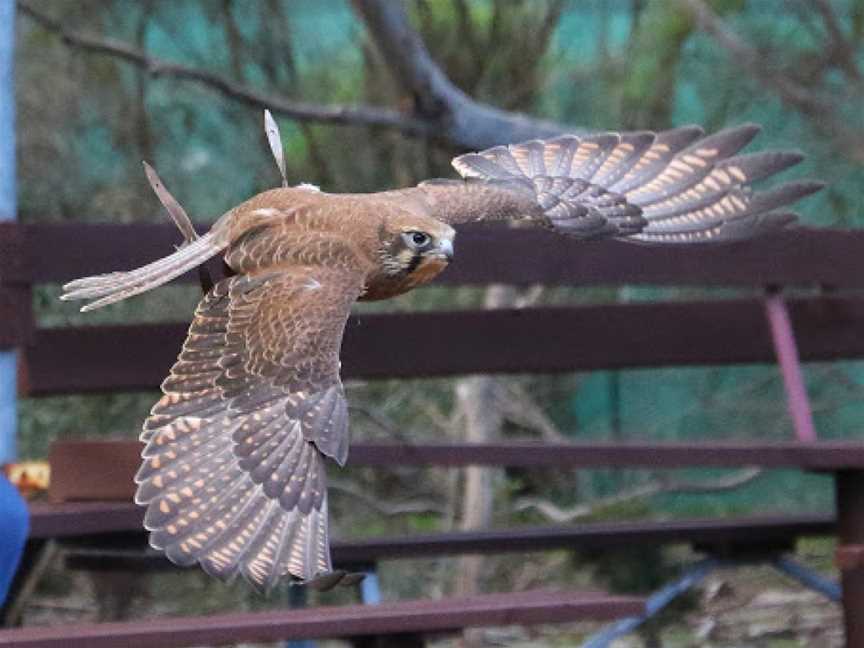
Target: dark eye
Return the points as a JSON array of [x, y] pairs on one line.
[[418, 239]]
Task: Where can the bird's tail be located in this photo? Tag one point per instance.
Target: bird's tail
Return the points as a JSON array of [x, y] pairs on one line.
[[108, 288]]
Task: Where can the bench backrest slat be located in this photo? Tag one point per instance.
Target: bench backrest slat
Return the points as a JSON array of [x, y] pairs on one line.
[[485, 254], [127, 358], [544, 340]]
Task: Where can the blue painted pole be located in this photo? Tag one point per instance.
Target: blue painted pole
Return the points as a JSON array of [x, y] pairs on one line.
[[297, 595], [655, 603], [370, 588], [809, 578], [8, 210]]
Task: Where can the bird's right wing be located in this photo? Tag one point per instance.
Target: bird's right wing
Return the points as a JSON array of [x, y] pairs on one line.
[[233, 475], [670, 187]]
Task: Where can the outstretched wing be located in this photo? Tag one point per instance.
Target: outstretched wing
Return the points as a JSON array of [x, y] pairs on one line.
[[233, 475], [670, 187]]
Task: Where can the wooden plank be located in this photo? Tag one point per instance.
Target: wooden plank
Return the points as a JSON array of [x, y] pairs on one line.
[[75, 520], [101, 358], [520, 608], [89, 470], [541, 340], [823, 455], [16, 252], [93, 470], [485, 254], [757, 531], [747, 535], [527, 256], [78, 519], [79, 249], [16, 315]]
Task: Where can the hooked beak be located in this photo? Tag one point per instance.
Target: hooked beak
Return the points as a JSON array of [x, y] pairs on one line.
[[445, 249]]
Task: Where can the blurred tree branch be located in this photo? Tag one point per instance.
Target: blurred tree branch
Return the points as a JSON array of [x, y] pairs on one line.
[[477, 401], [461, 120], [390, 509], [660, 484], [820, 108], [331, 114], [840, 51], [440, 110]]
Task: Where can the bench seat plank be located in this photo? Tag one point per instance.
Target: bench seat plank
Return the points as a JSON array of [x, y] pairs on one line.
[[98, 470], [100, 520], [422, 616], [819, 456]]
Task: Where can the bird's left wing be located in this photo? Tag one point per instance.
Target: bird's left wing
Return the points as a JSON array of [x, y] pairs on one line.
[[233, 471], [675, 186]]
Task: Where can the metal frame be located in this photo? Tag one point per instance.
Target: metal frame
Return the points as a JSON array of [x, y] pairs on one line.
[[850, 498]]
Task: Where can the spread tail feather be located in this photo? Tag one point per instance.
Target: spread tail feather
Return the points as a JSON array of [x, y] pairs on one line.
[[115, 286]]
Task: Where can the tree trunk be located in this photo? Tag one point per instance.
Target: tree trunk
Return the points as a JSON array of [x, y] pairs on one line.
[[476, 399]]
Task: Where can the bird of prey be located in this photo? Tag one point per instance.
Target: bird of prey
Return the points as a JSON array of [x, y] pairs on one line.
[[233, 472]]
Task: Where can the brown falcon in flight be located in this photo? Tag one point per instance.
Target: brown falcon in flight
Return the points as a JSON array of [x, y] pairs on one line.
[[233, 472]]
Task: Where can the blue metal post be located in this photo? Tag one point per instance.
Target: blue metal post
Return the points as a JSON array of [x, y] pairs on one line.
[[8, 209], [809, 578], [297, 595], [655, 603], [370, 588]]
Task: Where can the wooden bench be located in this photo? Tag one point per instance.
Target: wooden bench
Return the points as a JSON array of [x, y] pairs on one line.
[[122, 358], [108, 535]]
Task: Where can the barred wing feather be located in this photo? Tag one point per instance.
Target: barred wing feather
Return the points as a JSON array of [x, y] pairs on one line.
[[676, 186], [233, 473]]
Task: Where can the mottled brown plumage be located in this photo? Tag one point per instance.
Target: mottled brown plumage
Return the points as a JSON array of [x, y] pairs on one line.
[[233, 472]]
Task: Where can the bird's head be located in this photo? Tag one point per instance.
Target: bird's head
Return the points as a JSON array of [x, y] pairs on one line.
[[416, 245]]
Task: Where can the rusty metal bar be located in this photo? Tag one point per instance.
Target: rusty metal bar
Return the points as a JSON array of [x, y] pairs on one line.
[[786, 349]]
